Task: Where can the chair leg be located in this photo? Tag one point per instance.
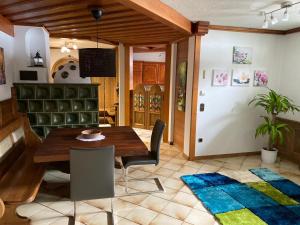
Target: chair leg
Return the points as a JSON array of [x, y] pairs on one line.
[[126, 179], [74, 212], [112, 211]]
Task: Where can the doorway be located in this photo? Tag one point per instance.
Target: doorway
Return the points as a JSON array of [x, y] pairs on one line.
[[180, 92]]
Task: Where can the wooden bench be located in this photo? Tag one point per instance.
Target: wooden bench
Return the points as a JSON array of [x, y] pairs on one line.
[[20, 178]]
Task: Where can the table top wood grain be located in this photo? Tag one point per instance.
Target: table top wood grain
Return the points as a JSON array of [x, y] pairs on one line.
[[56, 146]]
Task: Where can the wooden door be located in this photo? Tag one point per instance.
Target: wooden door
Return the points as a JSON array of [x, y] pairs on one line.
[[179, 112], [150, 71], [137, 73], [155, 101], [161, 73], [139, 107]]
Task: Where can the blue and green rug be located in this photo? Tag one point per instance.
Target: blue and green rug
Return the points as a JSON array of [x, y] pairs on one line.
[[273, 201]]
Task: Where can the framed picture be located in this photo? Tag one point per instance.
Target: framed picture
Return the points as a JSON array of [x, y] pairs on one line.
[[181, 85], [220, 77], [240, 77], [261, 78], [242, 55], [2, 67]]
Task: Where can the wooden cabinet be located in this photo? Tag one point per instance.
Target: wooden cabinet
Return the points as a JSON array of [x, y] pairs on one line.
[[137, 73], [161, 73], [148, 73]]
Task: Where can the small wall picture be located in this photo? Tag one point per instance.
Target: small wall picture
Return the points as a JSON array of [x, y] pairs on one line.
[[240, 77], [242, 55], [220, 77], [2, 67], [181, 85], [261, 78]]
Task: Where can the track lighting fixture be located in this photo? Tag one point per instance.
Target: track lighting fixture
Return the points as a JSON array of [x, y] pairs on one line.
[[285, 15], [274, 20], [284, 6], [266, 23]]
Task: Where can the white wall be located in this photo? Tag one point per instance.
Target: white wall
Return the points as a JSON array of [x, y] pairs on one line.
[[55, 54], [27, 41], [150, 56], [7, 43], [290, 75], [228, 124]]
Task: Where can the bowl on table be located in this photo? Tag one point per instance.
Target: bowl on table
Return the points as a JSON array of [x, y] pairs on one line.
[[91, 134]]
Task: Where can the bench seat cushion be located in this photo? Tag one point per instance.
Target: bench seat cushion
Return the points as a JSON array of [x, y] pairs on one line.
[[22, 181]]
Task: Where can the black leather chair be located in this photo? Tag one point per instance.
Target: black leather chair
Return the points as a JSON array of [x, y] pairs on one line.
[[92, 175], [151, 159]]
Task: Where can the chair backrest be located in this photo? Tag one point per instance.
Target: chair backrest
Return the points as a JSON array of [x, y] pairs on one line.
[[156, 136], [92, 173]]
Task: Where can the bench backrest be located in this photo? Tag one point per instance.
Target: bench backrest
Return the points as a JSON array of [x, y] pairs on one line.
[[13, 130], [12, 135]]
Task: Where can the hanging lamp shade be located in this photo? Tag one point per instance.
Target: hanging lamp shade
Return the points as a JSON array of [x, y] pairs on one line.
[[97, 62]]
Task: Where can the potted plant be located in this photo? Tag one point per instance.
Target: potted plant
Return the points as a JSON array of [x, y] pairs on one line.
[[273, 103]]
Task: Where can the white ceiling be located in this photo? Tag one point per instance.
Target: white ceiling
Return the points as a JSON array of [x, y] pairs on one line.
[[241, 13]]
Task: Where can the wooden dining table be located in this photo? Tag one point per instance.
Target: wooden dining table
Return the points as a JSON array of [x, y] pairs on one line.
[[56, 147]]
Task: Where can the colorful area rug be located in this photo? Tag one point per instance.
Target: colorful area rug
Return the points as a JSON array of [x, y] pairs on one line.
[[273, 201]]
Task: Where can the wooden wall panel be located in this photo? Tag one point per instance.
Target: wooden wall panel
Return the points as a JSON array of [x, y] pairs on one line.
[[128, 72], [166, 103], [6, 26], [179, 116], [196, 71]]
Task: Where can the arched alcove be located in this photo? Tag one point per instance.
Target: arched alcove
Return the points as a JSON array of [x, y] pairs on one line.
[[35, 41], [66, 70]]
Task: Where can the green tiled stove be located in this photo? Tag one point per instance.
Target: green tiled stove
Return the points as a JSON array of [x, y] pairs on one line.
[[51, 106]]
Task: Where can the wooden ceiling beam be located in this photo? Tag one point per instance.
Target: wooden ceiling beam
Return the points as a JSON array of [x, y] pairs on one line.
[[114, 8], [89, 26], [160, 12], [40, 10], [76, 19], [137, 28], [6, 26], [245, 30], [112, 23]]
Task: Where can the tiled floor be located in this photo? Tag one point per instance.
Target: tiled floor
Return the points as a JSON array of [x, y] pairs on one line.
[[177, 206]]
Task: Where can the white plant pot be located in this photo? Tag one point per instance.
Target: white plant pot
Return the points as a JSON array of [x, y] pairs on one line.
[[269, 157]]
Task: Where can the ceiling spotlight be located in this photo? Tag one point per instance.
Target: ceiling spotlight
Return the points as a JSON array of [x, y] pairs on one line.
[[274, 20], [266, 23], [285, 15], [75, 46]]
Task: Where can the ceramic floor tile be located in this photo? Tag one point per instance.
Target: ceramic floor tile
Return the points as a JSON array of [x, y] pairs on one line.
[[173, 183], [188, 170], [165, 220], [164, 172], [154, 203], [172, 166], [186, 199], [141, 215], [197, 217], [176, 210]]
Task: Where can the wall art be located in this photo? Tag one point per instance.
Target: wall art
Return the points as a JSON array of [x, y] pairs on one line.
[[261, 78], [242, 55], [220, 77], [240, 77]]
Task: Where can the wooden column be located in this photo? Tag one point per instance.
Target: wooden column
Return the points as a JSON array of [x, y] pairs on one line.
[[166, 102], [128, 72], [200, 29]]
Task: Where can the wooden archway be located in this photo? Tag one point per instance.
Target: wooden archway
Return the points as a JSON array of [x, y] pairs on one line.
[[62, 61]]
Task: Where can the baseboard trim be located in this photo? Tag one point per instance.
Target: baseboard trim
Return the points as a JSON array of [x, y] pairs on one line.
[[222, 155]]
